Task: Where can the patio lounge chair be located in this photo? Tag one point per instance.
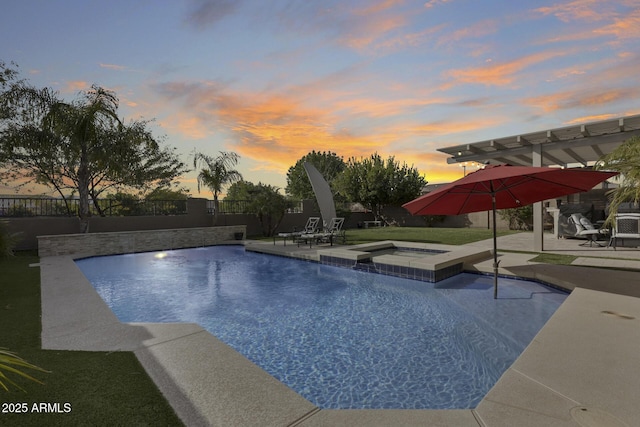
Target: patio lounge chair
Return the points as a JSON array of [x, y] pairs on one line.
[[585, 229], [334, 231], [311, 227], [331, 233], [627, 226]]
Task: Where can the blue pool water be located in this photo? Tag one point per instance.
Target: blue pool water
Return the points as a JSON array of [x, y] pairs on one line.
[[340, 338]]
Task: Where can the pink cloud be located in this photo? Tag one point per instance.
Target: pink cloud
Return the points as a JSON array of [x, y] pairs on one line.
[[500, 74], [76, 86], [598, 97]]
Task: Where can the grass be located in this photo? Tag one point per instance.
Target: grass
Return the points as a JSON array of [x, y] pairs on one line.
[[102, 388], [557, 259], [449, 236], [446, 236]]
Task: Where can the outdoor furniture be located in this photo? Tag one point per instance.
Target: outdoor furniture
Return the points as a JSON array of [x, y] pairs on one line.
[[585, 229], [627, 226], [329, 235], [567, 227], [334, 231], [311, 227], [504, 187]]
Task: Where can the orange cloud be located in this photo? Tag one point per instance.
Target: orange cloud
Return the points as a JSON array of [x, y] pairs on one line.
[[273, 130], [411, 39], [189, 125], [620, 25], [592, 118], [76, 86], [375, 26], [365, 35], [277, 130], [583, 10], [433, 166], [453, 126], [625, 27], [580, 99], [479, 29], [500, 74], [372, 107], [378, 7]]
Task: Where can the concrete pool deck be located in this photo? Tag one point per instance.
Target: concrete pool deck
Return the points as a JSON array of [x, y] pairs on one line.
[[580, 370]]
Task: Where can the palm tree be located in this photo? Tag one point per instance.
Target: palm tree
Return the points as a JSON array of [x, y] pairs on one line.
[[626, 160], [85, 123], [216, 173]]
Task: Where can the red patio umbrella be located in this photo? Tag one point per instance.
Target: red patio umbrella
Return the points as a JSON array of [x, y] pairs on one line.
[[504, 187]]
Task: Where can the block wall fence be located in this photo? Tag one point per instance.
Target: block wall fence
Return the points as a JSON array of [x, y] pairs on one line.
[[32, 232]]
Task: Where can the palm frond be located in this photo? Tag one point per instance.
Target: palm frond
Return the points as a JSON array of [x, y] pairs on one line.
[[626, 160], [8, 363]]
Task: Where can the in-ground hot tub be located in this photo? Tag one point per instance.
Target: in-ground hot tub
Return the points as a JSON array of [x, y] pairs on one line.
[[418, 261]]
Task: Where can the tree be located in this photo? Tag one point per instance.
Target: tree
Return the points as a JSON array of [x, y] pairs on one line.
[[79, 146], [327, 163], [626, 160], [265, 202], [240, 190], [163, 193], [377, 183], [216, 172], [518, 218]]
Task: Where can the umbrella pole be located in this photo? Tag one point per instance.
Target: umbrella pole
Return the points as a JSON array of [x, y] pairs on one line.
[[495, 249]]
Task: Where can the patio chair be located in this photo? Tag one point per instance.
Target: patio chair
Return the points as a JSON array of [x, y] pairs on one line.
[[627, 226], [585, 229], [334, 231], [330, 234], [311, 227]]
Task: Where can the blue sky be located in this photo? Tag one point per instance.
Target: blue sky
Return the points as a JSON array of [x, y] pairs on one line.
[[273, 80]]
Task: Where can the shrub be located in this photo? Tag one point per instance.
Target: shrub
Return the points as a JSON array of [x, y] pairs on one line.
[[8, 240], [519, 218]]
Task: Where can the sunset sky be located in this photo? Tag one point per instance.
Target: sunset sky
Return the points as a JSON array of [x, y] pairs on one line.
[[274, 79]]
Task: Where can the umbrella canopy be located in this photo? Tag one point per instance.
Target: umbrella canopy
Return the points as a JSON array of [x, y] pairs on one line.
[[504, 187]]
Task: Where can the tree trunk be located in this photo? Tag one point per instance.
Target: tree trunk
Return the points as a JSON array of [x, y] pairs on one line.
[[83, 192], [84, 209], [216, 207]]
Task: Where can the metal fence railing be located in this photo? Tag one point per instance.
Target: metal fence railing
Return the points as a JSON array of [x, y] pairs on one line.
[[230, 207], [16, 207]]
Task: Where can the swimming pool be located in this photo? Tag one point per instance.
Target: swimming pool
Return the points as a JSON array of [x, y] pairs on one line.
[[341, 338]]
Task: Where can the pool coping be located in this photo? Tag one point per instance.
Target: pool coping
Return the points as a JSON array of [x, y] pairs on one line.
[[583, 363]]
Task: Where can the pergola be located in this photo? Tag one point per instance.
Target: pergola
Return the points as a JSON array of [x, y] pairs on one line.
[[571, 146]]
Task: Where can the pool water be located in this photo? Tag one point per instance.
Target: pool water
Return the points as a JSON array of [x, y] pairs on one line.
[[340, 338]]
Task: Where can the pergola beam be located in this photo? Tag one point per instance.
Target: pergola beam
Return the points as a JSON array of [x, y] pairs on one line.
[[575, 156]]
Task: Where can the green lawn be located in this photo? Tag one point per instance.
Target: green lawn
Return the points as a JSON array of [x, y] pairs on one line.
[[101, 388], [449, 236]]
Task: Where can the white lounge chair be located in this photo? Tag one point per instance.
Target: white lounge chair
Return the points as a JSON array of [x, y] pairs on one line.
[[585, 229], [330, 234], [311, 227], [334, 231]]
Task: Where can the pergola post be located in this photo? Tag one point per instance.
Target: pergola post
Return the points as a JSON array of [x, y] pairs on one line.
[[538, 213]]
